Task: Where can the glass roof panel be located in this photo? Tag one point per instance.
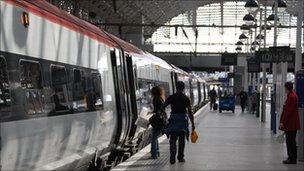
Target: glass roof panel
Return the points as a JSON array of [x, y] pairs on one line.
[[214, 38]]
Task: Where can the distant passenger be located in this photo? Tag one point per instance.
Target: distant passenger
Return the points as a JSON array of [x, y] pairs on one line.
[[243, 99], [212, 95], [177, 128], [157, 127], [290, 123]]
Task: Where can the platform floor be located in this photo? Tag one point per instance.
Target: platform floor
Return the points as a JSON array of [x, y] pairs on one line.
[[226, 142]]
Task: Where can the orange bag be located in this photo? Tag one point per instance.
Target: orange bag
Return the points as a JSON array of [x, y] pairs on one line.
[[194, 136]]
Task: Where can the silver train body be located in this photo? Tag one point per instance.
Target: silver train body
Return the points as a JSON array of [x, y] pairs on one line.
[[70, 93]]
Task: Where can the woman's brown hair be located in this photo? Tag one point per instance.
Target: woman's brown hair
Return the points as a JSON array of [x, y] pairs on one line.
[[157, 92]]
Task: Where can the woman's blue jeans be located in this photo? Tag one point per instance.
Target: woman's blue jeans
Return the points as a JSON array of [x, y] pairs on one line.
[[154, 143]]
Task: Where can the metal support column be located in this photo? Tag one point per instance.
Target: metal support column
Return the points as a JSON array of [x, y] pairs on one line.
[[274, 72], [298, 66], [263, 113]]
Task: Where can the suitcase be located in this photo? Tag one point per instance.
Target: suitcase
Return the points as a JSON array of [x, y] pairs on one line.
[[215, 106]]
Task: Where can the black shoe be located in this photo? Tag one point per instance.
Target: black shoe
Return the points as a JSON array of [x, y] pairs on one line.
[[172, 161], [290, 161], [182, 161], [153, 157]]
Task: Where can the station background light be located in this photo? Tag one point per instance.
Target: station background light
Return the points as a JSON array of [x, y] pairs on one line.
[[238, 49], [248, 19], [243, 37], [260, 37], [239, 44], [251, 6], [245, 28], [270, 19], [281, 5]]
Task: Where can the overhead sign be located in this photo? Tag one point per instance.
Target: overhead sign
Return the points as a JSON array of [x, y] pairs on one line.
[[223, 80], [229, 59], [253, 65], [300, 87], [276, 55]]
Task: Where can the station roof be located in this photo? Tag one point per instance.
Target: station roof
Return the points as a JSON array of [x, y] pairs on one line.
[[153, 11]]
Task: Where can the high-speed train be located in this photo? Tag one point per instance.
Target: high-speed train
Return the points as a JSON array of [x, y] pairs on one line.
[[70, 93]]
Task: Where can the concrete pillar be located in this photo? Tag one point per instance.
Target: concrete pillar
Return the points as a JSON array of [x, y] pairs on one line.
[[231, 81]]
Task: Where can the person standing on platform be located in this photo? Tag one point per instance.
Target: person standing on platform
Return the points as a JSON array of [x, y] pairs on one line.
[[290, 123], [212, 95], [157, 128], [243, 99], [177, 128]]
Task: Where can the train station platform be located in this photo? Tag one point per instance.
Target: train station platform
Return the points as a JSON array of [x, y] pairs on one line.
[[227, 141]]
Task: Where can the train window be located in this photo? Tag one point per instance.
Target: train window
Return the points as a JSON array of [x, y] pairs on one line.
[[78, 83], [143, 94], [59, 85], [78, 90], [5, 99], [30, 75], [31, 82], [97, 89]]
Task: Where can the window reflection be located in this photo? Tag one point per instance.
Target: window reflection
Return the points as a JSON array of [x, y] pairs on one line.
[[31, 83], [5, 99]]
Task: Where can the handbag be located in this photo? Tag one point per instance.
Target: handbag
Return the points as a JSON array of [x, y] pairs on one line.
[[281, 138], [194, 136], [157, 121]]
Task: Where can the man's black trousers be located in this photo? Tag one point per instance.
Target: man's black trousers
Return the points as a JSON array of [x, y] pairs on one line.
[[291, 145], [180, 136]]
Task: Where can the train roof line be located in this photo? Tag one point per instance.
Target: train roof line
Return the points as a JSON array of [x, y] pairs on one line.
[[52, 13]]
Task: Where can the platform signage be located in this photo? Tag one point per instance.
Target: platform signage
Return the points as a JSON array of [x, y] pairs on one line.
[[223, 80], [253, 65], [300, 87], [229, 59], [276, 55]]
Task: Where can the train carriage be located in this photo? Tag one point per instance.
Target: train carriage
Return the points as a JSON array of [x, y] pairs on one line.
[[70, 93]]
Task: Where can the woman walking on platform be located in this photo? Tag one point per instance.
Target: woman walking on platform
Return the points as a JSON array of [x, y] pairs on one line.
[[177, 128], [158, 101]]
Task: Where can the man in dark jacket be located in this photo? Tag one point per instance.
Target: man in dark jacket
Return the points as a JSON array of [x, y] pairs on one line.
[[290, 123]]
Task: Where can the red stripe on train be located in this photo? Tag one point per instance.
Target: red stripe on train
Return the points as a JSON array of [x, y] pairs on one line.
[[50, 12]]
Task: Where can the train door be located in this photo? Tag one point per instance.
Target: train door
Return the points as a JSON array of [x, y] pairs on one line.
[[173, 80], [199, 92], [132, 87], [121, 97], [191, 92]]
